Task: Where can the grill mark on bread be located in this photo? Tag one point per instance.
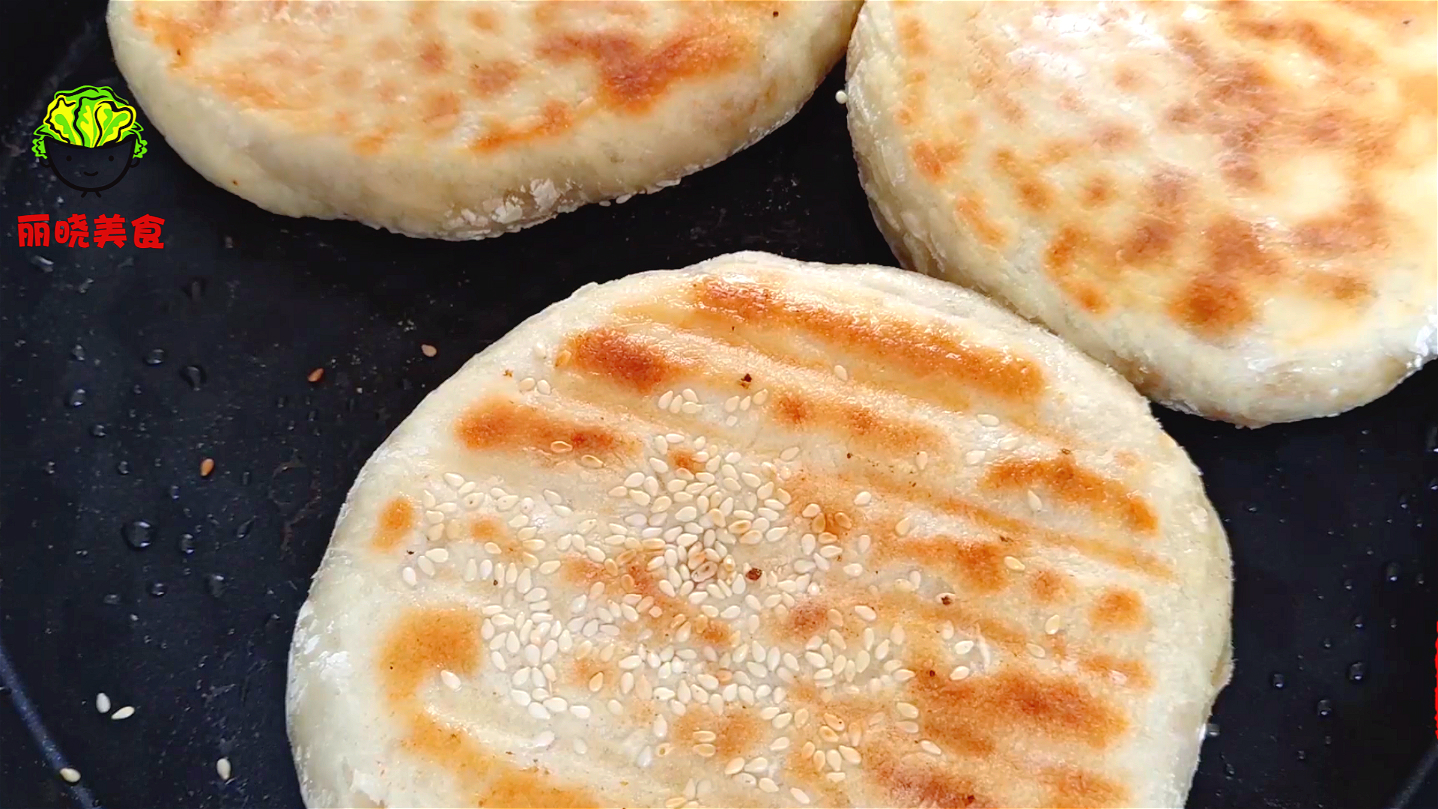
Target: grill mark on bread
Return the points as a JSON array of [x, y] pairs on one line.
[[421, 644], [396, 520], [501, 424], [922, 351], [1064, 479]]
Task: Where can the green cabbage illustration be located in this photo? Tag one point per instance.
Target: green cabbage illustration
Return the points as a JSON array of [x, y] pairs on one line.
[[88, 116]]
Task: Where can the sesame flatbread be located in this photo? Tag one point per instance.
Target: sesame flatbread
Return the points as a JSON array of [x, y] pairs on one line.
[[766, 533], [1232, 204], [463, 120]]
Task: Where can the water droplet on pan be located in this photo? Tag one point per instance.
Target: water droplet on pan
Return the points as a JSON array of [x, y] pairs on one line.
[[194, 375], [123, 467], [157, 589], [155, 356], [1357, 672], [98, 431], [138, 534], [77, 353], [1392, 571], [215, 583], [76, 397], [1325, 707], [1277, 680], [244, 529]]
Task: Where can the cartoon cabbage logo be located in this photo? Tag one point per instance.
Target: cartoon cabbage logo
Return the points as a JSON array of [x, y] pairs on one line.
[[88, 116], [90, 137]]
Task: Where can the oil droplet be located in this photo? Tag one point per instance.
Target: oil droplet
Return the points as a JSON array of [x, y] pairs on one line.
[[1277, 680], [1325, 707], [194, 375], [282, 401], [138, 534], [42, 263], [244, 529], [1228, 770], [1392, 571], [1358, 622], [1392, 623], [215, 583], [157, 589], [49, 467], [156, 356], [123, 467], [195, 289], [77, 353], [174, 492], [1348, 584], [111, 599], [187, 544], [76, 397], [1328, 643], [1302, 755], [1210, 730], [98, 431], [1356, 672]]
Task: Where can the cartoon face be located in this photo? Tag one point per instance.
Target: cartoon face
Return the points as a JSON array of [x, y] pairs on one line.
[[90, 168]]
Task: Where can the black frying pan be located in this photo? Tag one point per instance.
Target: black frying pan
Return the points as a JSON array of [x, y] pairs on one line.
[[1332, 521]]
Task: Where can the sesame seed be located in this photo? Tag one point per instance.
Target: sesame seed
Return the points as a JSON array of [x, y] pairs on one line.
[[450, 679], [526, 384], [665, 399], [70, 774], [799, 795], [102, 702], [903, 525], [734, 766], [1036, 650], [560, 446], [789, 454], [963, 647], [124, 713], [841, 372], [544, 387], [703, 750], [1013, 564], [930, 748], [988, 420], [922, 460], [863, 499], [409, 576], [206, 467], [974, 457], [316, 375], [866, 612], [1051, 626], [591, 461], [1034, 502], [907, 710]]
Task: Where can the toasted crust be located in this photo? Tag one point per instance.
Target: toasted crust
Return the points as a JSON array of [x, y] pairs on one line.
[[762, 533], [466, 120], [1233, 204]]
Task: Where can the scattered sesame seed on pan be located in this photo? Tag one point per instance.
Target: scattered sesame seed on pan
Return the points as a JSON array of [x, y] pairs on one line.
[[70, 774]]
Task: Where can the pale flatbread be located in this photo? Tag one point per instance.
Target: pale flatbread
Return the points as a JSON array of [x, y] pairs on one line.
[[765, 533], [1232, 204], [465, 120]]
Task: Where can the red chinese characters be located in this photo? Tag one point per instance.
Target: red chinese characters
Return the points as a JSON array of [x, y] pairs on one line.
[[34, 230], [73, 232]]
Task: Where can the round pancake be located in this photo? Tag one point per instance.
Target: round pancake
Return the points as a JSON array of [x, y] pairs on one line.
[[764, 533], [466, 120], [1232, 204]]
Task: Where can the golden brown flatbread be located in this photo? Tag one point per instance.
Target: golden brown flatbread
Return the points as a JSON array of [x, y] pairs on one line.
[[766, 533], [1232, 204], [463, 120]]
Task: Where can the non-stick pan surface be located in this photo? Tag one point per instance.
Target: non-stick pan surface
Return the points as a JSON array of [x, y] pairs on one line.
[[202, 350]]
